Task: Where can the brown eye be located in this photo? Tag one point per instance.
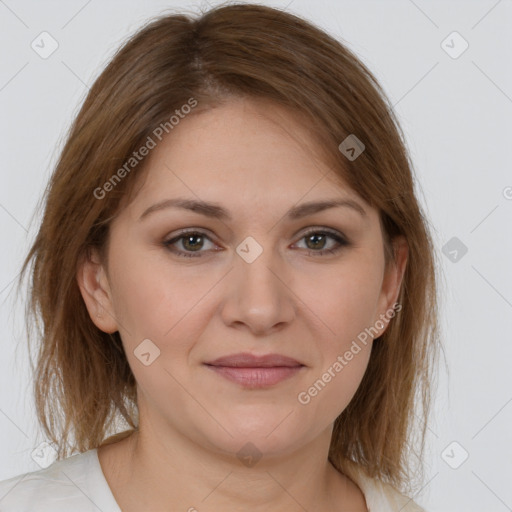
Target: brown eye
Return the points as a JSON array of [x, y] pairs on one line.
[[316, 241], [191, 242]]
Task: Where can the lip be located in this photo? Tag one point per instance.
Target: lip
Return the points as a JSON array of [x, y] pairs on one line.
[[252, 371], [247, 360]]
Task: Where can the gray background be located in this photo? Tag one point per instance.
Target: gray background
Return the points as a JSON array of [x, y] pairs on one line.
[[456, 115]]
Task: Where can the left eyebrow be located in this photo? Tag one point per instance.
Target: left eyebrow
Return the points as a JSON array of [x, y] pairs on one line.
[[218, 212]]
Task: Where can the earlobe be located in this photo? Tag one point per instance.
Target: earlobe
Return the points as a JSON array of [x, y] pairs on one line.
[[94, 287]]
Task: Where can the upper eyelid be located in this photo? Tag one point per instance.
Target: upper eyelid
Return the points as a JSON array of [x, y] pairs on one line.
[[312, 229]]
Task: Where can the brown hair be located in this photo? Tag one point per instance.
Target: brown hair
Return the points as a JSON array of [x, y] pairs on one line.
[[83, 384]]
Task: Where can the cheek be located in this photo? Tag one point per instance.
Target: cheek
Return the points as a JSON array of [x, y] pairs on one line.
[[347, 307], [328, 393], [153, 300], [345, 300]]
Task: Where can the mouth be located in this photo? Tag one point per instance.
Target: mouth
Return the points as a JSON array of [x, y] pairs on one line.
[[255, 372]]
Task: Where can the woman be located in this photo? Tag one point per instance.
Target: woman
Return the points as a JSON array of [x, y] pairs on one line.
[[232, 261]]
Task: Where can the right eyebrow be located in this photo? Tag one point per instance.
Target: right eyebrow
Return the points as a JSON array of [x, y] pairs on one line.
[[215, 210]]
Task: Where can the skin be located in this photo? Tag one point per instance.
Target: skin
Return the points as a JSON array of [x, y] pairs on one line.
[[257, 160]]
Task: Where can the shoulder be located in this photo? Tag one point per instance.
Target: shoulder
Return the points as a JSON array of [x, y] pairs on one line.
[[60, 487], [382, 497], [387, 496]]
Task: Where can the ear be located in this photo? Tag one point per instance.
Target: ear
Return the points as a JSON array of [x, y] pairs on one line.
[[392, 282], [95, 289]]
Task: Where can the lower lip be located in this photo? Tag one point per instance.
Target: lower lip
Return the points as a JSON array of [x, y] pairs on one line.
[[256, 377]]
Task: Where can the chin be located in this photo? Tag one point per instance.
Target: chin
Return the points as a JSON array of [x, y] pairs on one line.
[[273, 437]]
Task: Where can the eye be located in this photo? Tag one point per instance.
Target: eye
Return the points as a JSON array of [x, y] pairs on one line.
[[192, 241], [316, 238]]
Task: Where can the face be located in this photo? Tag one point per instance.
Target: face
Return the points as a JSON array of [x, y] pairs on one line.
[[247, 276]]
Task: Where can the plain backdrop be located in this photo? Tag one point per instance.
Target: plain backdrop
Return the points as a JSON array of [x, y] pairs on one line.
[[455, 109]]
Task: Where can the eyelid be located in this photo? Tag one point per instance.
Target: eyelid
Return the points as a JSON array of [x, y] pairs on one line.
[[189, 231], [182, 233], [338, 236], [324, 229], [305, 231]]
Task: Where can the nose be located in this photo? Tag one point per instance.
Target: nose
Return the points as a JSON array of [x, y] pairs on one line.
[[258, 297]]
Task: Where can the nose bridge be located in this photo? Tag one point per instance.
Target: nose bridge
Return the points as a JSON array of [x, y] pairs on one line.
[[255, 261], [258, 297]]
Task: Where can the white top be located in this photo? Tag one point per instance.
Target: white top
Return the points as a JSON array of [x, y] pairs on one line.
[[78, 484]]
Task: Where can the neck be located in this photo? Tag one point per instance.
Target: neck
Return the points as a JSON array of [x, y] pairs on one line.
[[162, 472]]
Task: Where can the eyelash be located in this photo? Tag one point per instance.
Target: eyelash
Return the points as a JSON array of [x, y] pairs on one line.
[[342, 241]]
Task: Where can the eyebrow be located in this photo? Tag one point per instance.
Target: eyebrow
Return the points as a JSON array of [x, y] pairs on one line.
[[216, 211]]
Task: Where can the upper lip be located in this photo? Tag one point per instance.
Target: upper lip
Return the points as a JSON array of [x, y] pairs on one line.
[[246, 360]]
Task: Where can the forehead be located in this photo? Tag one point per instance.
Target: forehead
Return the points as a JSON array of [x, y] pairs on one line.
[[245, 151]]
